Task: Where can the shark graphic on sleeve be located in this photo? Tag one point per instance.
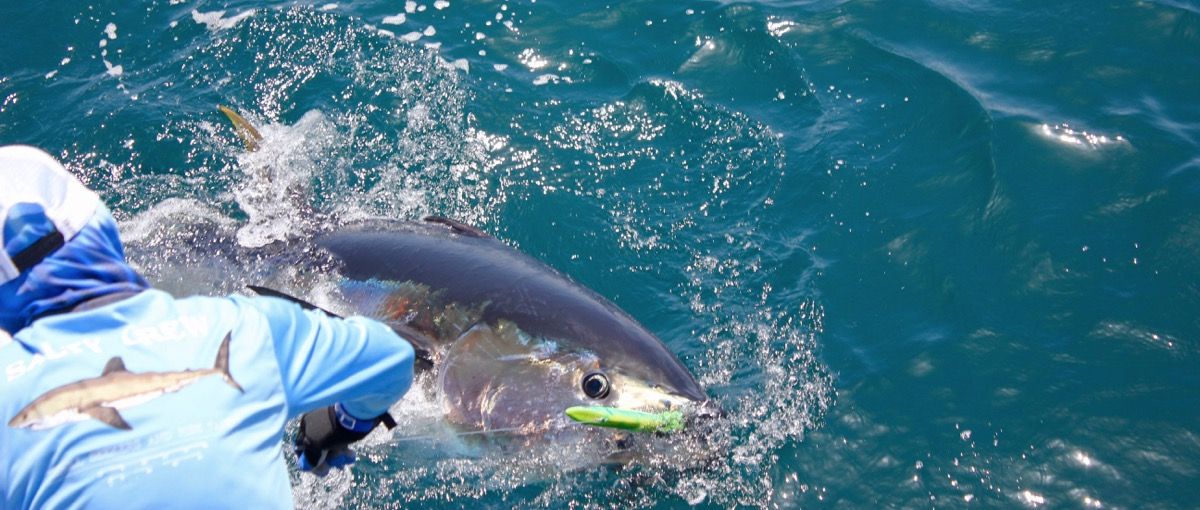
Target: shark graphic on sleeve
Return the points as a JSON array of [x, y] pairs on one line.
[[116, 388]]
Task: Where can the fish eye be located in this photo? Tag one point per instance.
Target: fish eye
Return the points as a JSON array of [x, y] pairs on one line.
[[595, 385]]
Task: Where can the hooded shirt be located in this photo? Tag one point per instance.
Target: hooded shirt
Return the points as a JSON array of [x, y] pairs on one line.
[[120, 396]]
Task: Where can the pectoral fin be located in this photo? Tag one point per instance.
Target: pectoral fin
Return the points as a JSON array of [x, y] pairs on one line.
[[269, 292], [107, 415]]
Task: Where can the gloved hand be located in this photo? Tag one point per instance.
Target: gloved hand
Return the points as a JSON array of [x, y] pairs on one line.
[[326, 435]]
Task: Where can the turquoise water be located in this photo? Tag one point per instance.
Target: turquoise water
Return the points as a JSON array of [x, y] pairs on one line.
[[929, 254]]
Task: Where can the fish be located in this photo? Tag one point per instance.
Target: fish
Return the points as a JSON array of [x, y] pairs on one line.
[[100, 398], [510, 342], [513, 342]]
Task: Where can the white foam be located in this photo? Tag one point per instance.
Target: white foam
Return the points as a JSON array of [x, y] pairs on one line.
[[147, 224], [418, 115], [398, 19], [779, 27], [114, 70], [532, 60], [545, 78], [330, 491], [1031, 499], [215, 20]]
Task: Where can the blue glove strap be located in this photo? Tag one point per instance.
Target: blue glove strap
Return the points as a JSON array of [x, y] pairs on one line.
[[351, 423]]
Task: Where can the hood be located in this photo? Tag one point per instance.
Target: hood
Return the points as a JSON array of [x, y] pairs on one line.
[[91, 265]]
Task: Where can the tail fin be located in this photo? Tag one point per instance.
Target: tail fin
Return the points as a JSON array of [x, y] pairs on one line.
[[221, 366], [244, 128]]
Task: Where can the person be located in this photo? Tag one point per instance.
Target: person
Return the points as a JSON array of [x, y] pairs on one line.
[[117, 395]]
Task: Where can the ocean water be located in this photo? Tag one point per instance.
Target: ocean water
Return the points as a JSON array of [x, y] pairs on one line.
[[937, 253]]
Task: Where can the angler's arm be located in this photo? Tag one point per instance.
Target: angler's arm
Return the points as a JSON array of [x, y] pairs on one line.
[[357, 362]]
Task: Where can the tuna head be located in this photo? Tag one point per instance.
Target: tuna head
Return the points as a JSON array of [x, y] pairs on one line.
[[500, 378]]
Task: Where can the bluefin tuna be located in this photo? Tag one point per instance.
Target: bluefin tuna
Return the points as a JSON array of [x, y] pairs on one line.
[[512, 342]]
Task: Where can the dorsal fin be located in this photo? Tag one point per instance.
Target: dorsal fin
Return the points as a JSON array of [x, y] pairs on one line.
[[114, 365], [458, 226], [243, 127]]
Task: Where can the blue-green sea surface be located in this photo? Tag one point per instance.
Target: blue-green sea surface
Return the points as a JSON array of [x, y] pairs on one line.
[[938, 253]]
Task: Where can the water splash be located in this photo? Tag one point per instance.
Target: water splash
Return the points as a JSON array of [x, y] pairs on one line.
[[684, 188], [274, 192], [757, 347], [395, 143]]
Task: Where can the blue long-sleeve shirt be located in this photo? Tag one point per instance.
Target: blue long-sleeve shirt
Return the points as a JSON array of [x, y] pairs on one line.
[[194, 440]]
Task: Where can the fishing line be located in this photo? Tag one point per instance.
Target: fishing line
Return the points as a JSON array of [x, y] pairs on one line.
[[454, 434]]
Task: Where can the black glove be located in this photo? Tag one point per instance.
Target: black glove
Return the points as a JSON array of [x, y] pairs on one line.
[[326, 435]]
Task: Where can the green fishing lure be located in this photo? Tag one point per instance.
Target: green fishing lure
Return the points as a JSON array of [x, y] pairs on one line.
[[624, 419]]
